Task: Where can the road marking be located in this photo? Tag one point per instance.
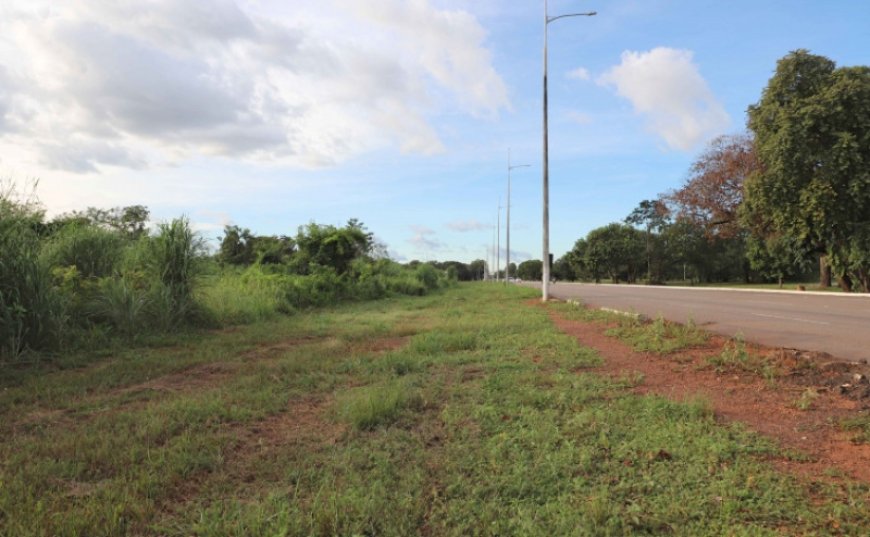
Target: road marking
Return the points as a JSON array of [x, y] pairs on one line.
[[790, 319]]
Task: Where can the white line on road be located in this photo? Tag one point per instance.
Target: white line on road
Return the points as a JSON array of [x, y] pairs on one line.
[[790, 319]]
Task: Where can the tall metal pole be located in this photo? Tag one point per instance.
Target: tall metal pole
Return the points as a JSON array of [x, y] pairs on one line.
[[507, 263], [545, 278], [498, 243], [545, 283], [508, 245]]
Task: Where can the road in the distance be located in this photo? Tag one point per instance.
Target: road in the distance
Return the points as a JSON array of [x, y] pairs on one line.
[[833, 323]]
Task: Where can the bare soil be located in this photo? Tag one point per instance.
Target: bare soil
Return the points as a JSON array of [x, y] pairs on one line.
[[770, 407]]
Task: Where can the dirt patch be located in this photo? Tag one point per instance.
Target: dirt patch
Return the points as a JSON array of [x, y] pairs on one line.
[[193, 378], [272, 350], [304, 427], [380, 345], [772, 408]]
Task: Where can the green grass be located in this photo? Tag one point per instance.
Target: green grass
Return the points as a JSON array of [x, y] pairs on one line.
[[658, 336], [787, 286], [478, 418], [735, 356], [859, 426]]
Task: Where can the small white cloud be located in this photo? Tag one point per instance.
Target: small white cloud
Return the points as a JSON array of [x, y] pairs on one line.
[[665, 86], [578, 74], [464, 226], [424, 240]]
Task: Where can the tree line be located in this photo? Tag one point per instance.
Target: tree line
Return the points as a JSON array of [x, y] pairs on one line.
[[788, 199]]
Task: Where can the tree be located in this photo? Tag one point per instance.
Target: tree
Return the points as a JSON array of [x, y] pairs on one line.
[[129, 221], [713, 193], [651, 215], [812, 131], [775, 256], [530, 270], [330, 246], [237, 246], [616, 250], [477, 268]]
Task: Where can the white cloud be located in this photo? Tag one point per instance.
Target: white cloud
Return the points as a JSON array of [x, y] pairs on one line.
[[424, 240], [464, 226], [578, 74], [665, 86], [131, 84]]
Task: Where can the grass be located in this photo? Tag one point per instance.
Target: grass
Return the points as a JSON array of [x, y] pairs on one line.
[[859, 426], [735, 356], [460, 413], [658, 336]]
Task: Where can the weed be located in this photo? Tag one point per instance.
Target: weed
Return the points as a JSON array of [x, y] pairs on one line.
[[367, 408], [658, 336], [806, 400]]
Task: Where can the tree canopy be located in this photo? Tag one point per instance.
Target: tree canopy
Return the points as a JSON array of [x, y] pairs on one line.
[[812, 130]]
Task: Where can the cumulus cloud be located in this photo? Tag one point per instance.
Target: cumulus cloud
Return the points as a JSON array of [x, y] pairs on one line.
[[424, 240], [464, 226], [578, 74], [665, 86], [132, 83]]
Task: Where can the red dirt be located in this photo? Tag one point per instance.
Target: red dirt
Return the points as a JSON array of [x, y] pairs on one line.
[[768, 408]]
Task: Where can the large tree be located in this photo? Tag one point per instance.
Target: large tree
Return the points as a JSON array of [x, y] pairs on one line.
[[713, 192], [812, 130]]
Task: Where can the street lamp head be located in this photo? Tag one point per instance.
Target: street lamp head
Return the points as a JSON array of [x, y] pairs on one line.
[[590, 14]]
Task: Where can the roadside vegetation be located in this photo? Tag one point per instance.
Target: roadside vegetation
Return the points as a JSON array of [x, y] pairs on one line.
[[95, 278], [465, 412]]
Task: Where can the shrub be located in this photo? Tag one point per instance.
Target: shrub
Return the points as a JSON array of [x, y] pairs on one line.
[[428, 276], [95, 252], [121, 305]]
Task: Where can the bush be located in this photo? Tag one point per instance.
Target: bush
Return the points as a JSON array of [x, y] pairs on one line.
[[119, 304], [95, 252]]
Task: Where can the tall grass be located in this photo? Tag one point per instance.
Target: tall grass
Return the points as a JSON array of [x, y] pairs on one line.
[[175, 261], [32, 314]]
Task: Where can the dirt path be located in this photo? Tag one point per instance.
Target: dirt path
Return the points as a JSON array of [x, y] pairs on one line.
[[767, 407]]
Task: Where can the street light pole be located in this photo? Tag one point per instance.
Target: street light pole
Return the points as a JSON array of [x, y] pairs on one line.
[[498, 243], [545, 283], [508, 245]]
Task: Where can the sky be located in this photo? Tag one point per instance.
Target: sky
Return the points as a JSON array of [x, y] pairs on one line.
[[400, 113]]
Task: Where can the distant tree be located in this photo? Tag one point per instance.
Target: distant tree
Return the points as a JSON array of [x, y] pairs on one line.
[[130, 221], [713, 193], [530, 270], [512, 270], [651, 215], [477, 269], [237, 246], [811, 128], [616, 250], [330, 246]]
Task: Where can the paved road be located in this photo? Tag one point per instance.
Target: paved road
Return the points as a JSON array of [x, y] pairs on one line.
[[832, 323]]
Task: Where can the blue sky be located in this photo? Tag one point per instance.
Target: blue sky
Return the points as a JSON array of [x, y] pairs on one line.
[[397, 112]]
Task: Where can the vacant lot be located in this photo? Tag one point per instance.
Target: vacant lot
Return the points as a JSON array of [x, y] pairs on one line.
[[463, 413]]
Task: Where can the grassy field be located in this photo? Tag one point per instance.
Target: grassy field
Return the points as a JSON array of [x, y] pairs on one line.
[[461, 413]]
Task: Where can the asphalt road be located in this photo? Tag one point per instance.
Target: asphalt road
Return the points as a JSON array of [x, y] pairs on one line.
[[833, 323]]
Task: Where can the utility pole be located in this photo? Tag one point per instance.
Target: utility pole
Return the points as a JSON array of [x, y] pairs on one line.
[[545, 283], [498, 243], [508, 245]]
